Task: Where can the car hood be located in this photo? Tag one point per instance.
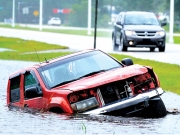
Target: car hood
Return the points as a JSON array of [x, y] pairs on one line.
[[104, 78], [143, 27]]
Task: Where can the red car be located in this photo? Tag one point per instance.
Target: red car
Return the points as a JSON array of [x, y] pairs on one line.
[[88, 82]]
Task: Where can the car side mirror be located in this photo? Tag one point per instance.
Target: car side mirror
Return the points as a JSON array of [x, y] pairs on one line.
[[32, 92], [118, 23], [163, 23], [127, 61]]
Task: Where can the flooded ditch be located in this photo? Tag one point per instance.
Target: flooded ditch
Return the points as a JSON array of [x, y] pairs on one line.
[[19, 121]]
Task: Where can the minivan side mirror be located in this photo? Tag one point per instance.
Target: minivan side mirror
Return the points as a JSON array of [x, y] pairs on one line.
[[32, 92], [163, 23], [127, 61], [118, 23]]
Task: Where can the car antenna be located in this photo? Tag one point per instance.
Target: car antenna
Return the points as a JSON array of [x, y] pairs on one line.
[[46, 79], [46, 60]]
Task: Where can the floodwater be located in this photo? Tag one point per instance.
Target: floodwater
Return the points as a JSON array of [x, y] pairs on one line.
[[19, 121]]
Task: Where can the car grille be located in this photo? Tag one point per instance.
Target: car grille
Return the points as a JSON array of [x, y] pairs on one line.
[[125, 89], [145, 33]]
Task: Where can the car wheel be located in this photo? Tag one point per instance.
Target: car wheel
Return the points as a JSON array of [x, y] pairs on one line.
[[162, 49], [123, 47], [156, 108], [152, 49], [115, 46]]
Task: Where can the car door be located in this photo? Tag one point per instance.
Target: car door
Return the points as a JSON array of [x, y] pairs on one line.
[[33, 94], [118, 27], [14, 93]]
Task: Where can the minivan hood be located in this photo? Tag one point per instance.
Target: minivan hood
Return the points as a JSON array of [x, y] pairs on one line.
[[104, 78], [143, 27]]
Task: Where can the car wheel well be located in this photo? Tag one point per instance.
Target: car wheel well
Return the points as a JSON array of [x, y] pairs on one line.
[[112, 35], [123, 47], [56, 110]]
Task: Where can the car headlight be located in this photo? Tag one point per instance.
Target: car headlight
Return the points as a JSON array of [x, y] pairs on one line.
[[85, 105], [160, 33], [130, 33]]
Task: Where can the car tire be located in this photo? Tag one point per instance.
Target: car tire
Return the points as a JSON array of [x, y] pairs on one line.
[[123, 47], [162, 49], [115, 46], [156, 108], [152, 49]]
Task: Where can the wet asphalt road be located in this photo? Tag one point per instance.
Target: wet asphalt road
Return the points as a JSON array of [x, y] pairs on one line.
[[17, 121]]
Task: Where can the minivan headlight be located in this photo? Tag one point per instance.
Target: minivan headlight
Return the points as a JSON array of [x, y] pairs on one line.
[[160, 33], [130, 33]]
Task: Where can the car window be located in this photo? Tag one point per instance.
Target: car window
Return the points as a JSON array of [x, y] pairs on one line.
[[77, 66], [15, 89], [141, 19], [119, 18], [30, 80]]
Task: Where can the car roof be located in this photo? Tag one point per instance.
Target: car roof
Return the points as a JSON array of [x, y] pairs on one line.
[[137, 12], [61, 58], [55, 18]]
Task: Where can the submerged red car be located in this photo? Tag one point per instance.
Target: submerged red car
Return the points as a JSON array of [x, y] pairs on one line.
[[88, 82]]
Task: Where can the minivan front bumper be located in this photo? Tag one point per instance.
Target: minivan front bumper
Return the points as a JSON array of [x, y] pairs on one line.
[[131, 41]]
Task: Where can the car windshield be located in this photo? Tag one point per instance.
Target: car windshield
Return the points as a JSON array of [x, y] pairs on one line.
[[141, 19], [76, 67]]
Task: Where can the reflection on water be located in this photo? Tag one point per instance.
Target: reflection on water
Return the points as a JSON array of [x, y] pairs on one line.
[[27, 121]]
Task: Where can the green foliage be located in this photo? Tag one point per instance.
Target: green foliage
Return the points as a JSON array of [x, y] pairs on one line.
[[103, 21], [78, 16]]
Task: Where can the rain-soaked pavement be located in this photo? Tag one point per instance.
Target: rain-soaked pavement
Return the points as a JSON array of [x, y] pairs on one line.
[[18, 121]]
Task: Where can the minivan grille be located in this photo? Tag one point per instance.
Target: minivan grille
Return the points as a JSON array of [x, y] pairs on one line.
[[145, 33]]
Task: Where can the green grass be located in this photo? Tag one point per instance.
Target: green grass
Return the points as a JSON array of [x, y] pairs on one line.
[[19, 47], [79, 32], [177, 40], [62, 31], [169, 74]]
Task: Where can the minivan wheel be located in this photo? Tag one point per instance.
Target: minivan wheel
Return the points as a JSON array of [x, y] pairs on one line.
[[156, 108], [162, 49], [123, 47], [115, 46]]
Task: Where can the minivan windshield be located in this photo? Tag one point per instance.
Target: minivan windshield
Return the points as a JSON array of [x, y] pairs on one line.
[[141, 19], [76, 67]]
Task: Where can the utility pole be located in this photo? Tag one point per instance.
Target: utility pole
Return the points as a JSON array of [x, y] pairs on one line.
[[13, 14], [171, 22], [89, 17], [95, 23], [40, 14]]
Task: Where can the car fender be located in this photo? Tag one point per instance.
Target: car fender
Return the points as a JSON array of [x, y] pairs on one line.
[[61, 103]]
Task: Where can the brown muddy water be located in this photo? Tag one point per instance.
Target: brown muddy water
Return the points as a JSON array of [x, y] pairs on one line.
[[18, 121]]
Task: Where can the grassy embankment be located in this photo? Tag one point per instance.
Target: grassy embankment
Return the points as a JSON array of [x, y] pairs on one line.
[[169, 74], [82, 32]]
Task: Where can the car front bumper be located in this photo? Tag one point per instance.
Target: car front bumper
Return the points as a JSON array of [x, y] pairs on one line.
[[144, 42], [139, 99]]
